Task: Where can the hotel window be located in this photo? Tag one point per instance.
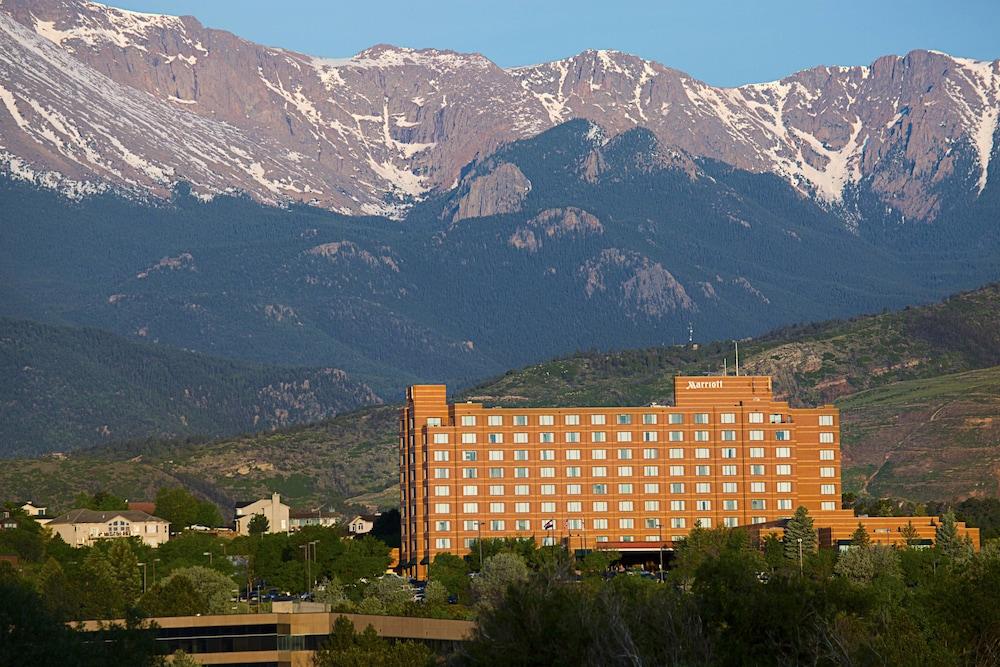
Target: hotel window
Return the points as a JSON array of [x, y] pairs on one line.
[[494, 420], [729, 487], [442, 543], [600, 524], [599, 489], [597, 419], [729, 452], [546, 437], [442, 525], [626, 523], [756, 452], [468, 438], [571, 420], [728, 471], [677, 487], [730, 505], [702, 453], [676, 436], [574, 506], [757, 487], [651, 505], [573, 471], [828, 505], [624, 436], [572, 454], [432, 421], [625, 454], [598, 436], [828, 489], [758, 504], [625, 489], [678, 522], [784, 503], [440, 438], [626, 506], [548, 489], [548, 507], [547, 455], [600, 505], [703, 471], [574, 524], [547, 472], [677, 453], [826, 420], [675, 418], [599, 471], [520, 420], [756, 435], [522, 524], [442, 490], [468, 420], [703, 505], [703, 522], [495, 455], [496, 473], [522, 490], [649, 436], [573, 436], [520, 454], [827, 472], [826, 455], [756, 417], [495, 438], [470, 473], [728, 436], [782, 435], [759, 519], [701, 436], [441, 473], [521, 473], [497, 524], [653, 487], [727, 418], [649, 418], [701, 418], [757, 469], [677, 505], [774, 418], [599, 454], [652, 523], [470, 508], [440, 456], [650, 471], [783, 469], [703, 487], [650, 454], [442, 508], [623, 419], [573, 489], [731, 522], [783, 487], [546, 420], [520, 438], [782, 453], [676, 471], [826, 437], [470, 490]]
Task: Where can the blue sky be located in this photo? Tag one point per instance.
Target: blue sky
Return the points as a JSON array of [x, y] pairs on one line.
[[724, 42]]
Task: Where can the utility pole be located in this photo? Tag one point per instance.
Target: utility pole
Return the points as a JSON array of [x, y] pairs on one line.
[[659, 526], [799, 540], [312, 582], [155, 561], [479, 527], [305, 557], [143, 565]]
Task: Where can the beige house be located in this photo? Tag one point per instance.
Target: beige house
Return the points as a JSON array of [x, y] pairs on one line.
[[36, 512], [81, 528], [299, 519], [361, 524], [275, 511]]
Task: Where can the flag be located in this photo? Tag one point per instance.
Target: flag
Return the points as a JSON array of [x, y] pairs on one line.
[[549, 524]]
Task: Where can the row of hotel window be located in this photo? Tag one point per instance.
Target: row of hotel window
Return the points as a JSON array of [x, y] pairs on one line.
[[649, 453], [755, 470], [602, 489], [575, 506], [623, 436], [626, 419]]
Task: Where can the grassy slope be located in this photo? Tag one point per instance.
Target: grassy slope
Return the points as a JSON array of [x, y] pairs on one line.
[[909, 363]]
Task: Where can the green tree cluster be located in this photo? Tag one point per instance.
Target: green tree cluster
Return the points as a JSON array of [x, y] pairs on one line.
[[182, 509]]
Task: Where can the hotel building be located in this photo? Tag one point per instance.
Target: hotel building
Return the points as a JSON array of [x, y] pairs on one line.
[[633, 479]]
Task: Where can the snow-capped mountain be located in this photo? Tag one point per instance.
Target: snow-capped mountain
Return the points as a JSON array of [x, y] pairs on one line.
[[96, 94]]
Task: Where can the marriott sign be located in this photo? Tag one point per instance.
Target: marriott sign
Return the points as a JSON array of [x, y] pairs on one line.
[[704, 384]]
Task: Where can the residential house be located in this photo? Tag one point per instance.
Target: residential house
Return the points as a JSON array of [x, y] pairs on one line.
[[80, 527], [299, 519], [275, 511], [36, 512], [361, 524]]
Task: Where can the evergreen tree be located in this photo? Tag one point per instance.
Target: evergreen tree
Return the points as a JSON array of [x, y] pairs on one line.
[[860, 537], [258, 524], [909, 534], [799, 527], [946, 539]]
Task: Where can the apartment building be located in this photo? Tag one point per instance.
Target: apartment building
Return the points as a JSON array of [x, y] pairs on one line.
[[638, 478]]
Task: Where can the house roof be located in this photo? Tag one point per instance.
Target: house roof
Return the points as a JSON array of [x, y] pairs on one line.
[[96, 516], [370, 518]]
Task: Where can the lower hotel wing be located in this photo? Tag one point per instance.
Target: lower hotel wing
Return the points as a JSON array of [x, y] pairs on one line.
[[631, 479]]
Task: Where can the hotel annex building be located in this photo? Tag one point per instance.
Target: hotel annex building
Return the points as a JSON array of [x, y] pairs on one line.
[[637, 478]]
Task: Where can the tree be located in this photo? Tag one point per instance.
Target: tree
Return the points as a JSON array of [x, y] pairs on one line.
[[216, 588], [860, 537], [863, 564], [909, 534], [388, 594], [799, 527], [435, 594], [451, 571], [258, 525], [347, 648], [100, 501], [182, 509], [947, 541], [182, 659], [499, 572], [175, 596]]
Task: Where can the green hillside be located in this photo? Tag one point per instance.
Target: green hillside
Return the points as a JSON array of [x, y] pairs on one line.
[[65, 388], [920, 385]]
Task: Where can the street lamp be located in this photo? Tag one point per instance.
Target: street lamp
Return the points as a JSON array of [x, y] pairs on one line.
[[305, 556], [799, 540], [155, 561], [659, 527], [479, 527], [209, 554], [143, 565], [312, 582]]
